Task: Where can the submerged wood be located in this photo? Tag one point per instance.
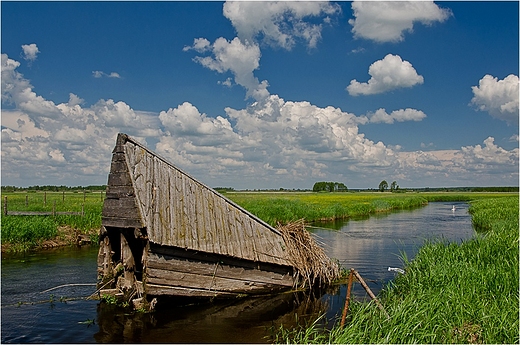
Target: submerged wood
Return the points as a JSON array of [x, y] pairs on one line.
[[173, 235]]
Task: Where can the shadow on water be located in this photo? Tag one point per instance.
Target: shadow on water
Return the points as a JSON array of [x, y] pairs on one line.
[[63, 316]]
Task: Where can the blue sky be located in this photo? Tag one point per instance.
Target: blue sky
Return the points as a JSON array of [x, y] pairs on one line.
[[264, 94]]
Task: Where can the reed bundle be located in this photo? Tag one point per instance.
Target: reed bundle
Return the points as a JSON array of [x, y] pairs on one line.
[[313, 267]]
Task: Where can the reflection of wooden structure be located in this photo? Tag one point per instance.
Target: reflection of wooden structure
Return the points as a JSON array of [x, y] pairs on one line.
[[164, 233]]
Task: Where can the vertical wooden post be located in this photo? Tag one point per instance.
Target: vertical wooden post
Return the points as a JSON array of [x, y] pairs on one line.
[[63, 197], [54, 208], [347, 300], [5, 206], [26, 200], [44, 198]]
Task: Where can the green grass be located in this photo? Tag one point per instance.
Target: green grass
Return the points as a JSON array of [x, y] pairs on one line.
[[282, 208], [26, 232], [467, 293]]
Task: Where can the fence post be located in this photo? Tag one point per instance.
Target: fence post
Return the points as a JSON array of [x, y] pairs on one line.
[[54, 209], [5, 206], [63, 197], [44, 198], [26, 200]]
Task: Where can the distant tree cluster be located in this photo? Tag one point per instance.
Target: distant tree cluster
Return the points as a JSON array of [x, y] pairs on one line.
[[329, 187], [394, 187], [495, 189], [224, 189]]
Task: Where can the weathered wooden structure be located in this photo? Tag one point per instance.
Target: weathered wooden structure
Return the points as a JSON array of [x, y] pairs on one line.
[[165, 233]]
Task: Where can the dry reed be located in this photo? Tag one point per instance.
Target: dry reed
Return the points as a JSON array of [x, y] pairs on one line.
[[312, 266]]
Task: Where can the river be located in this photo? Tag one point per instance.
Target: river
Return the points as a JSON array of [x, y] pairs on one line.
[[62, 315]]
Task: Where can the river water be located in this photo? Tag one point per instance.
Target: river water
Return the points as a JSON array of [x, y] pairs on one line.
[[63, 315]]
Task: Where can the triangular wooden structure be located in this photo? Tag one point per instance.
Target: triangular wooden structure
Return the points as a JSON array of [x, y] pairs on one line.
[[165, 233]]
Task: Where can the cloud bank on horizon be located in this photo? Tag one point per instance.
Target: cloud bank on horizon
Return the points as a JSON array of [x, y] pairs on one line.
[[271, 142]]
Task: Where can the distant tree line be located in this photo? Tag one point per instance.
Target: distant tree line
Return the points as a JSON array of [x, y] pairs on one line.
[[49, 188], [329, 187], [494, 189], [224, 189]]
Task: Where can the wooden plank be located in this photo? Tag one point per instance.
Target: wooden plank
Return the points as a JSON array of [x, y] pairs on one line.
[[186, 221], [179, 211], [192, 215], [212, 283], [209, 224], [121, 222], [250, 238], [115, 192], [237, 233], [220, 210], [223, 271], [197, 256], [216, 215], [162, 290], [200, 221]]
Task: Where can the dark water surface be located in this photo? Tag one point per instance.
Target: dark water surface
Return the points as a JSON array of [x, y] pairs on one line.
[[62, 316]]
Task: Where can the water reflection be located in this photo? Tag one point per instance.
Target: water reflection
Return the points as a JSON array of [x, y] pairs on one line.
[[249, 320]]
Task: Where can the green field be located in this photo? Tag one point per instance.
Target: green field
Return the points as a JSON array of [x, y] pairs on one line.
[[467, 293], [27, 232], [21, 233]]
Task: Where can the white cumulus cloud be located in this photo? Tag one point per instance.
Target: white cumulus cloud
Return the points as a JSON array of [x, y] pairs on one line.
[[386, 21], [279, 23], [234, 56], [401, 115], [498, 97], [30, 51], [387, 74]]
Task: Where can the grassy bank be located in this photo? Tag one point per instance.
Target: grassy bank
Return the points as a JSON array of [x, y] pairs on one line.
[[467, 293], [21, 233], [26, 232], [286, 207]]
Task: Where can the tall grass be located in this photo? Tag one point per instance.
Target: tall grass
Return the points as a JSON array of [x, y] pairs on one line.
[[277, 208], [467, 293]]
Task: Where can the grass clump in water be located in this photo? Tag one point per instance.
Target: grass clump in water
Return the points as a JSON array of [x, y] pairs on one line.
[[450, 293]]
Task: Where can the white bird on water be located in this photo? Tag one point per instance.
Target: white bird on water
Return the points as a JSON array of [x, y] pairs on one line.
[[453, 208]]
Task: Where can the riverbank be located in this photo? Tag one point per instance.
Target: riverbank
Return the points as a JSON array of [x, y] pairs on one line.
[[33, 232], [450, 293], [22, 233]]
